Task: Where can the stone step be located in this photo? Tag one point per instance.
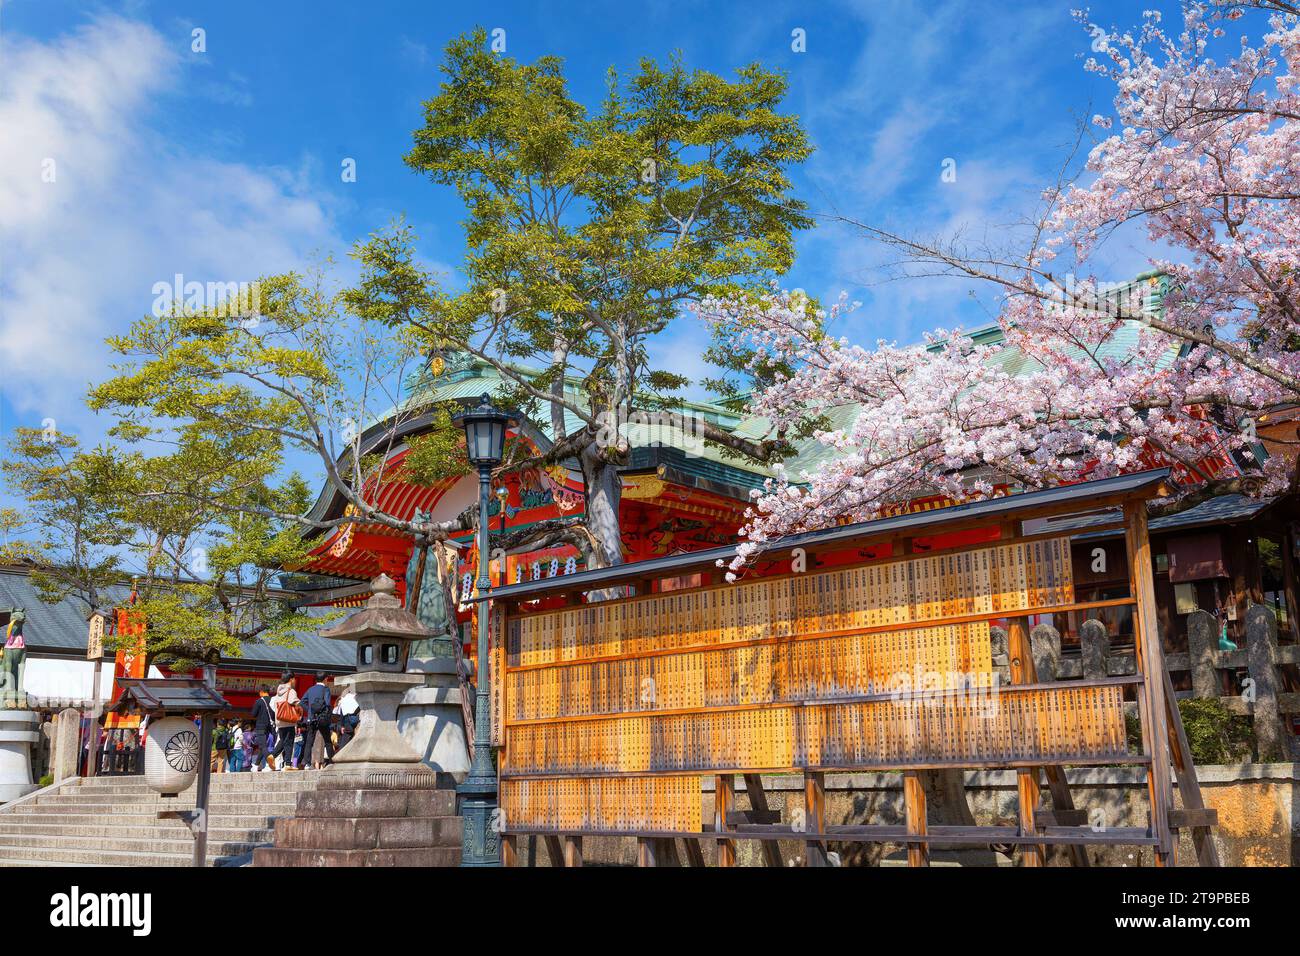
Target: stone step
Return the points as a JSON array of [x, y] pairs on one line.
[[254, 799], [59, 856], [227, 820], [182, 846], [423, 856], [260, 832], [284, 808], [377, 803], [306, 779], [324, 833], [6, 862]]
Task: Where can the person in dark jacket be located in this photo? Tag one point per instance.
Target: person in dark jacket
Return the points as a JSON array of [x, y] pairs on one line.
[[316, 708], [263, 724]]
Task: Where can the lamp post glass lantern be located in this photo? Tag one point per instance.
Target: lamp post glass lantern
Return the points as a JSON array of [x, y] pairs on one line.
[[485, 439]]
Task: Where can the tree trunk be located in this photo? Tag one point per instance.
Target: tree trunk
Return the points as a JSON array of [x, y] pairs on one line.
[[604, 488], [945, 800]]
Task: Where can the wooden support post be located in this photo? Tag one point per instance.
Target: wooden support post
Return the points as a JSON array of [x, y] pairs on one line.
[[724, 801], [758, 801], [1027, 787], [509, 850], [1151, 693], [666, 852], [554, 850], [1031, 854], [814, 805], [694, 852], [572, 850], [918, 854], [645, 851], [1189, 788], [1289, 581]]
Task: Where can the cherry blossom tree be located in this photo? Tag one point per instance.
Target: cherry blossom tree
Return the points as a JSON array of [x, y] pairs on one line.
[[1086, 380]]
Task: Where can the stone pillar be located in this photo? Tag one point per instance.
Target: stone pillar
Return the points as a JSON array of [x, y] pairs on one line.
[[1045, 648], [45, 764], [18, 732], [430, 717], [1261, 662], [67, 744], [1094, 642], [1202, 643]]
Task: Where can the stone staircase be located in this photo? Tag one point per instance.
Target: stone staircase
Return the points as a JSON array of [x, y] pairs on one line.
[[113, 821]]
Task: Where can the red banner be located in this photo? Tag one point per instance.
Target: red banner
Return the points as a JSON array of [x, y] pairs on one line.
[[128, 662]]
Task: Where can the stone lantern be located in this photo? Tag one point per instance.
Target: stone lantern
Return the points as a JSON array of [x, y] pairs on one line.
[[377, 756]]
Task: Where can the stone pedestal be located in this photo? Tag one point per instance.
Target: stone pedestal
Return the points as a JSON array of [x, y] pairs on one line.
[[19, 731], [67, 741], [369, 827], [430, 718], [378, 754], [377, 804]]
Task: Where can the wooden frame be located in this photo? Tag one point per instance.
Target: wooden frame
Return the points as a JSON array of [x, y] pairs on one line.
[[613, 712]]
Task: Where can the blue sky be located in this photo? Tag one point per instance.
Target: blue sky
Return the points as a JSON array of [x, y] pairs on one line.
[[226, 163]]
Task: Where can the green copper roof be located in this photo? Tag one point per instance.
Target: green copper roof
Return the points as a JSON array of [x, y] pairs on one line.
[[465, 377]]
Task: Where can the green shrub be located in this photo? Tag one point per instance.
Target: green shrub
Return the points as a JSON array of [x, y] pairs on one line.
[[46, 780], [1214, 734]]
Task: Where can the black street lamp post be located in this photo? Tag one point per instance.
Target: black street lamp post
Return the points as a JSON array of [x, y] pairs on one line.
[[485, 436]]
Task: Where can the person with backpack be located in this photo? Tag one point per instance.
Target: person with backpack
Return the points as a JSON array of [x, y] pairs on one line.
[[316, 705], [221, 744], [287, 714], [349, 716], [236, 731], [263, 725]]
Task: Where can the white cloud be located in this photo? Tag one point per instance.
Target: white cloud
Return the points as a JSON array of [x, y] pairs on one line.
[[126, 208]]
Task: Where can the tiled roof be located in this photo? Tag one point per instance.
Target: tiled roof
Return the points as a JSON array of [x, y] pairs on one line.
[[1225, 509], [60, 629]]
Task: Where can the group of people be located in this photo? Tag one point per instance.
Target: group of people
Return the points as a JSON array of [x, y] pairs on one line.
[[285, 731]]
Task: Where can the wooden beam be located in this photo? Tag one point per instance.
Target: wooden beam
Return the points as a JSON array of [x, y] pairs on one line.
[[554, 850], [694, 851], [1021, 660], [814, 803], [918, 854], [758, 803], [667, 852], [724, 801], [1151, 695], [1189, 788], [645, 851], [510, 850], [572, 850], [1182, 819], [1031, 854]]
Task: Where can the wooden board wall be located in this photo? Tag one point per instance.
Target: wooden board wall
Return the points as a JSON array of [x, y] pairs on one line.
[[611, 712]]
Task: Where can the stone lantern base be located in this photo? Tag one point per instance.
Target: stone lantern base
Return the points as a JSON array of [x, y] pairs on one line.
[[19, 731], [430, 716]]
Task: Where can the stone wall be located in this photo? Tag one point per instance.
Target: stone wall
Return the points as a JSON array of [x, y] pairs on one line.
[[1258, 804]]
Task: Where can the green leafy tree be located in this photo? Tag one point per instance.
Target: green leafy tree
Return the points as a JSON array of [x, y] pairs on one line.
[[588, 235], [204, 571], [71, 534], [589, 232]]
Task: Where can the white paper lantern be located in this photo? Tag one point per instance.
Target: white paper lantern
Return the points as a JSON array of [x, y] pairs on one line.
[[171, 755]]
